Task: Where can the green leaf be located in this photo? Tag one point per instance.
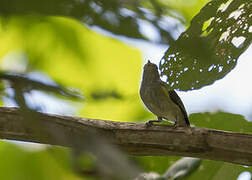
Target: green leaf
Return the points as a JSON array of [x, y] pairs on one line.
[[222, 121], [158, 164], [187, 9], [209, 49], [213, 170]]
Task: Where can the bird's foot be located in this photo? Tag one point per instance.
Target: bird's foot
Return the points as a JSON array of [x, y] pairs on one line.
[[150, 123]]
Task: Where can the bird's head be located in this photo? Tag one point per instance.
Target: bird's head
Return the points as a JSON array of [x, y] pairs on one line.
[[150, 72], [150, 66]]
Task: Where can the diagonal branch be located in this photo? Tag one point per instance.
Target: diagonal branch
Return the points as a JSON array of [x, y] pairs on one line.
[[134, 138]]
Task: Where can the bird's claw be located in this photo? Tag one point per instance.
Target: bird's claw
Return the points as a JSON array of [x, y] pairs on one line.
[[149, 124]]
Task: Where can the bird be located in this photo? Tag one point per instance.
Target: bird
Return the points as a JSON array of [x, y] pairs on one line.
[[160, 99]]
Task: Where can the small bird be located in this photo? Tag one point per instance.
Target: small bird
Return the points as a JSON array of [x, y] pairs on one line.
[[160, 100]]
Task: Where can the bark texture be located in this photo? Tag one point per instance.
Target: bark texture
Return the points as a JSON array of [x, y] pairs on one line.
[[132, 138]]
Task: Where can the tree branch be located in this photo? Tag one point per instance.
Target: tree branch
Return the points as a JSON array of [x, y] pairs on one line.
[[134, 138]]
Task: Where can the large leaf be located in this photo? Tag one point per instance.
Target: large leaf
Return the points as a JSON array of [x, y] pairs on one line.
[[213, 170], [210, 47], [222, 121]]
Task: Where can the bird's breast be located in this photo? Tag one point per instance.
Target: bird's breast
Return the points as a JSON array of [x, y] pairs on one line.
[[157, 101]]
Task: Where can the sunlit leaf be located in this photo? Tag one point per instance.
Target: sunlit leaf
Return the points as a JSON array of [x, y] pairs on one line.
[[187, 9]]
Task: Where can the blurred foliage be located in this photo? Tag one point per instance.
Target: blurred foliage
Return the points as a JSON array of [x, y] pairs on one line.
[[120, 17], [158, 164], [25, 84], [182, 168], [210, 47], [102, 68], [213, 170], [186, 9], [18, 163], [209, 170], [35, 38], [54, 163], [24, 161], [222, 121]]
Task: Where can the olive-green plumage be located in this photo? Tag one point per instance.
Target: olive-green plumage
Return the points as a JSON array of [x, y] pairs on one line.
[[161, 101]]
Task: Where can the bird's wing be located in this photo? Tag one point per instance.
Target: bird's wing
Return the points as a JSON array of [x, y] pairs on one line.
[[176, 99]]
